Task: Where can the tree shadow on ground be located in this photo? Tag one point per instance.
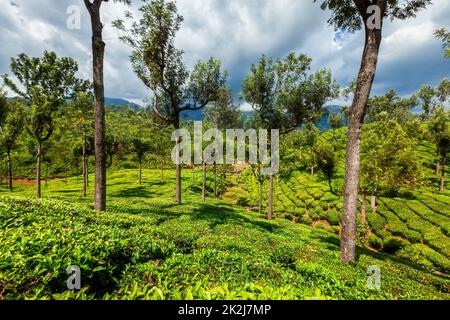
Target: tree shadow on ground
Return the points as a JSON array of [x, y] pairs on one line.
[[67, 191], [222, 214], [334, 244], [135, 192]]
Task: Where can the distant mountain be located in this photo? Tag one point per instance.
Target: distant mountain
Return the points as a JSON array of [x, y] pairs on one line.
[[119, 102], [322, 124]]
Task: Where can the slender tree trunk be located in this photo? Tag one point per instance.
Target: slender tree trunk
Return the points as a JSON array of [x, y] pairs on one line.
[[373, 203], [38, 171], [178, 182], [204, 182], [87, 172], [10, 178], [84, 168], [442, 187], [162, 171], [98, 52], [438, 167], [193, 173], [178, 166], [260, 196], [223, 176], [215, 180], [270, 211], [352, 169], [363, 207]]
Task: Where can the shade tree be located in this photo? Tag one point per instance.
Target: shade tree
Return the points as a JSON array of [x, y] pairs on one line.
[[439, 127], [352, 16], [12, 118], [159, 65], [44, 83], [285, 96], [98, 54], [389, 163], [223, 114]]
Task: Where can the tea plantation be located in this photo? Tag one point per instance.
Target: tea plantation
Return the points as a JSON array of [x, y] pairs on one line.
[[414, 227], [145, 246]]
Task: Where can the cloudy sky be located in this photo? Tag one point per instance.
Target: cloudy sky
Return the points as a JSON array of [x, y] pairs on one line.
[[237, 32]]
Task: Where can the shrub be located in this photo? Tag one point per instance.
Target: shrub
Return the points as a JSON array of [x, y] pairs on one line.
[[362, 231], [375, 242], [376, 221], [333, 217], [336, 229], [306, 219], [284, 255]]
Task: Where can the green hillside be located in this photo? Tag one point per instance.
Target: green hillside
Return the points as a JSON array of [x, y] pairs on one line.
[[147, 247], [415, 227]]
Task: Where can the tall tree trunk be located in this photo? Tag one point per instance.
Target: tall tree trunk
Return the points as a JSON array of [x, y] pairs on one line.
[[363, 207], [98, 53], [193, 173], [215, 180], [84, 168], [270, 211], [38, 170], [442, 187], [162, 170], [204, 182], [363, 87], [10, 178]]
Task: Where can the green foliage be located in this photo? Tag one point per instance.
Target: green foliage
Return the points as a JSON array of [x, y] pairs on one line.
[[326, 161], [375, 242], [389, 162], [223, 113], [352, 15], [444, 35], [284, 95], [12, 116], [158, 63], [439, 127], [335, 120], [146, 249], [391, 106]]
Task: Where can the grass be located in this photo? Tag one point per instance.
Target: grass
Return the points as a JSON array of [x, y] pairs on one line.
[[145, 246]]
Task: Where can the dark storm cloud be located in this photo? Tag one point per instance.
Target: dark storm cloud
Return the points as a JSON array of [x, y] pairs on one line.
[[238, 32]]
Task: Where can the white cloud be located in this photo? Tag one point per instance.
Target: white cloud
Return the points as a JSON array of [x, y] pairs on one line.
[[238, 33]]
